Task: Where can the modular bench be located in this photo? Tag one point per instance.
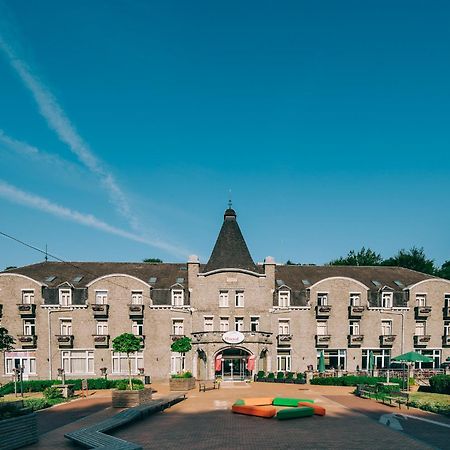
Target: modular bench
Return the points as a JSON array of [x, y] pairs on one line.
[[202, 386]]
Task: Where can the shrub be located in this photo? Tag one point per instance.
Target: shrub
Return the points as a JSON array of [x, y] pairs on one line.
[[290, 376], [52, 392], [300, 376], [123, 385], [182, 375], [440, 384], [352, 380], [280, 376], [261, 374], [271, 376]]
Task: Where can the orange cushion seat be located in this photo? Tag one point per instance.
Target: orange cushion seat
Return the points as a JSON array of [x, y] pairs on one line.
[[318, 410], [258, 401], [259, 411]]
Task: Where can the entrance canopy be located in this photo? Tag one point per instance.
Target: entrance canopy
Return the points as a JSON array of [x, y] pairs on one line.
[[234, 364]]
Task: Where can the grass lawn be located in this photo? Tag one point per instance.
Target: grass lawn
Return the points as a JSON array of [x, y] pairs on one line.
[[438, 403]]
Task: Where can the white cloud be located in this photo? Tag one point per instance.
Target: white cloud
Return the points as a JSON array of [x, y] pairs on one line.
[[15, 195]]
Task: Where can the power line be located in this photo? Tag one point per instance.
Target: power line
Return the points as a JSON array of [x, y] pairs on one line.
[[47, 254]]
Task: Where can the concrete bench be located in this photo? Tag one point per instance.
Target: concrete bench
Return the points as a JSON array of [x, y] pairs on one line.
[[94, 436]]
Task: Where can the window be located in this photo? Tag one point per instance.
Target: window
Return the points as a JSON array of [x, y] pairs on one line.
[[239, 299], [322, 328], [254, 323], [136, 298], [223, 299], [177, 297], [284, 299], [334, 359], [322, 299], [29, 327], [447, 300], [446, 328], [284, 360], [208, 324], [102, 327], [420, 328], [283, 326], [421, 300], [15, 359], [354, 328], [355, 299], [386, 327], [66, 327], [224, 324], [137, 327], [120, 362], [178, 327], [78, 361], [435, 355], [382, 358], [177, 362], [386, 299], [27, 297], [101, 297], [65, 297], [238, 323]]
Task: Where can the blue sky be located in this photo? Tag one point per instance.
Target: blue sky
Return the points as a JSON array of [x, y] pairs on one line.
[[123, 126]]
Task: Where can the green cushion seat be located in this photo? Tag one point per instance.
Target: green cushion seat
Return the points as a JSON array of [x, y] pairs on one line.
[[239, 402], [286, 401], [294, 413]]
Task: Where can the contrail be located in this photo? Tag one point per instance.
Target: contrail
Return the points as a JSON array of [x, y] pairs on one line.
[[15, 195], [58, 121]]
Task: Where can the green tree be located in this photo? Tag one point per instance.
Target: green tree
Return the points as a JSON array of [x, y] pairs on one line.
[[127, 343], [6, 341], [182, 345], [414, 259], [364, 257], [444, 271], [152, 260]]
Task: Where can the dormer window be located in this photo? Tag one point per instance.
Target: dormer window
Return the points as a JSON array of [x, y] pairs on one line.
[[27, 297], [101, 297], [387, 299], [177, 297], [355, 299], [65, 297], [322, 299], [136, 298], [421, 300], [284, 298]]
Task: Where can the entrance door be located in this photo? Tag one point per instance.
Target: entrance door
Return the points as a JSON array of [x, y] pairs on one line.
[[234, 365]]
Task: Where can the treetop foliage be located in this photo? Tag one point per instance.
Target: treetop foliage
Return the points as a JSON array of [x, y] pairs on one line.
[[152, 260], [182, 345], [127, 343], [6, 341]]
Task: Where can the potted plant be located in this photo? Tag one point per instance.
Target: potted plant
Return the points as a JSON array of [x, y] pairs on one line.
[[280, 377], [182, 381], [289, 377], [131, 393], [260, 376], [271, 377]]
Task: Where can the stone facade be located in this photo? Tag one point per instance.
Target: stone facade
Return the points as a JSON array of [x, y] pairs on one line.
[[65, 315]]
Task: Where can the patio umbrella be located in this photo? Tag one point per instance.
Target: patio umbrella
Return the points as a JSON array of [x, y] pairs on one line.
[[321, 362], [371, 361], [409, 358]]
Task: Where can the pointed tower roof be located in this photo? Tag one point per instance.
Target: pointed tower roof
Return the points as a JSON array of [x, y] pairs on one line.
[[230, 250]]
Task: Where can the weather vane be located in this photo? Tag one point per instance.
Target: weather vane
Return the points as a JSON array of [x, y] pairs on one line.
[[230, 204]]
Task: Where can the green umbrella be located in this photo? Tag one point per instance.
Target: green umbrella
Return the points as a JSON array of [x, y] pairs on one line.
[[321, 362], [371, 360], [411, 357]]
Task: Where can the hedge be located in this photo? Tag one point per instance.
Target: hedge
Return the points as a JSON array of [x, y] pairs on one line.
[[440, 384], [352, 380], [40, 385]]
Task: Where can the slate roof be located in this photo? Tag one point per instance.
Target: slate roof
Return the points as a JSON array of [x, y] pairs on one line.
[[230, 250]]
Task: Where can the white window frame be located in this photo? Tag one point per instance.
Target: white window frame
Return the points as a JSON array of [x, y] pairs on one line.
[[178, 327], [65, 327], [137, 297], [136, 325], [354, 327], [101, 297], [386, 325], [28, 362], [254, 323], [208, 323], [29, 327], [28, 296], [223, 299], [420, 328], [101, 327], [284, 362], [284, 298], [322, 328], [119, 362], [355, 299], [239, 299], [68, 355], [387, 299], [177, 297], [447, 328], [224, 324], [284, 326], [239, 324], [65, 297], [322, 298], [421, 300], [177, 362]]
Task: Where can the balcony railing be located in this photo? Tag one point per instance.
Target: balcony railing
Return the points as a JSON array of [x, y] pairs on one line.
[[387, 340], [421, 340], [65, 340], [447, 312], [446, 340], [355, 340], [284, 338], [136, 310], [27, 309], [101, 340], [323, 310], [27, 340], [100, 311], [206, 337], [355, 312], [422, 312], [323, 340]]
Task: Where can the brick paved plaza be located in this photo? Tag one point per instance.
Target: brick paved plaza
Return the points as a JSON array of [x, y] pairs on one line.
[[204, 421]]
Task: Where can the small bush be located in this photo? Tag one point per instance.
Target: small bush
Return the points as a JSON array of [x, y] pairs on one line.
[[300, 376], [440, 384], [261, 374], [280, 376], [123, 385], [352, 380], [290, 376], [52, 392], [271, 376], [182, 375]]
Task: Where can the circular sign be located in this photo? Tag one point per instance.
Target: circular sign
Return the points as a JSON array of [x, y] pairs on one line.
[[233, 337]]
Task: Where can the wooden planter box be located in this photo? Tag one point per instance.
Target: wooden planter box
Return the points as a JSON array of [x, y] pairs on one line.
[[18, 432], [182, 384], [129, 399]]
